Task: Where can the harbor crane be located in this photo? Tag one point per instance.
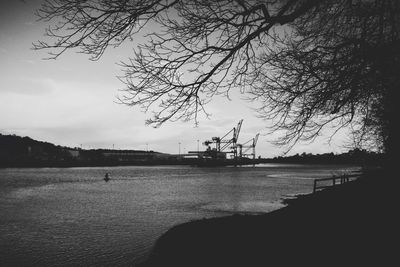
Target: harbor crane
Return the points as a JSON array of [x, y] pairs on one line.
[[251, 144], [222, 144], [219, 147]]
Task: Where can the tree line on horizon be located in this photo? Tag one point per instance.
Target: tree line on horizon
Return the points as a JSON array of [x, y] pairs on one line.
[[17, 151], [356, 156]]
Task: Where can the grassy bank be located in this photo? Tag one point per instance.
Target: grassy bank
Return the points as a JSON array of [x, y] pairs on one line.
[[349, 225]]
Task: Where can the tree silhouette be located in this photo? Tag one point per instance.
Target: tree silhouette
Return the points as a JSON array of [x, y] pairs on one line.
[[309, 64]]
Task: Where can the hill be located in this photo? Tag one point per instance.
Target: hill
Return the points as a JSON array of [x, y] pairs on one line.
[[17, 151]]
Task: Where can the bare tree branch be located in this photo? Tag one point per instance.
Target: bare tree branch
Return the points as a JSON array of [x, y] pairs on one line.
[[309, 64]]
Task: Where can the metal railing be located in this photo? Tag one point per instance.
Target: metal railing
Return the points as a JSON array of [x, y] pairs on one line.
[[336, 180]]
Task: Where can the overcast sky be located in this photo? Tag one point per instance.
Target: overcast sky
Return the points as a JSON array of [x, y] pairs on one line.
[[71, 101]]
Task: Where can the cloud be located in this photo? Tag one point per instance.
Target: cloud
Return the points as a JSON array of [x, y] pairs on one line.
[[25, 86]]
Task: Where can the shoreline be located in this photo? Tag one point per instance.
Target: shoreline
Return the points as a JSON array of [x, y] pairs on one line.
[[348, 224], [157, 163]]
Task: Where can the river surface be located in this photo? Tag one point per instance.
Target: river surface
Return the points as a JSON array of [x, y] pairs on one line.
[[72, 217]]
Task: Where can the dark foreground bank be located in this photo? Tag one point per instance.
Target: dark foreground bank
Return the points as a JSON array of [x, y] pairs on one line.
[[350, 225]]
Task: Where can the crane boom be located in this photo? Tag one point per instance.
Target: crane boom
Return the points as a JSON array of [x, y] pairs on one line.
[[255, 140], [250, 146], [228, 144], [221, 144], [236, 134]]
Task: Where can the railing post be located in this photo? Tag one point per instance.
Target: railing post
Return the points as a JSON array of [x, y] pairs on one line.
[[341, 180]]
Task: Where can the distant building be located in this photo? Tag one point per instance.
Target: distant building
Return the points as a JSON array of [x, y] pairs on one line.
[[73, 152], [127, 155]]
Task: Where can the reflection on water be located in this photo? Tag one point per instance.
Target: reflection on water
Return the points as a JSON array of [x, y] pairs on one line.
[[71, 216]]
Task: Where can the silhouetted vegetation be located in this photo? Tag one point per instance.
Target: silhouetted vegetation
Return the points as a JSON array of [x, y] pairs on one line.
[[20, 151], [306, 65], [356, 156], [16, 151], [347, 225]]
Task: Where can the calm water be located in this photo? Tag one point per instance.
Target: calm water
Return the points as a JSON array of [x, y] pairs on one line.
[[71, 217]]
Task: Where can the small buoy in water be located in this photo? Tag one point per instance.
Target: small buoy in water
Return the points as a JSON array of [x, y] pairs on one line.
[[106, 177]]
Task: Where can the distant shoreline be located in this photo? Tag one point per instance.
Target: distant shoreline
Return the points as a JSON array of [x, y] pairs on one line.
[[24, 152], [149, 163]]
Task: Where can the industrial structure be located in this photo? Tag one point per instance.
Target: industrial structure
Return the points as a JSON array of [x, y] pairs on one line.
[[220, 151], [227, 149], [248, 146]]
